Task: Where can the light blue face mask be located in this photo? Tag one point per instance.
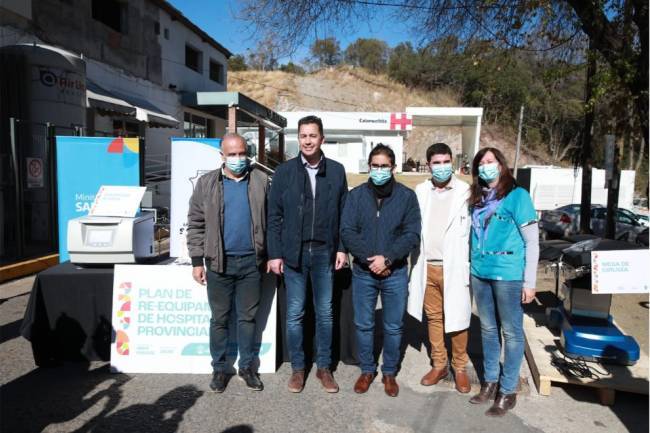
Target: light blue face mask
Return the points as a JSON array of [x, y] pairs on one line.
[[441, 172], [488, 172], [236, 165], [379, 176]]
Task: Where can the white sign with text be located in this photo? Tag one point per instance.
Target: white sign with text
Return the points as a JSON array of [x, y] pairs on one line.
[[161, 319], [117, 201], [620, 271]]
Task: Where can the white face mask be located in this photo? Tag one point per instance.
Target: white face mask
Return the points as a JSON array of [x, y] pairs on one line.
[[236, 164], [489, 172], [441, 172]]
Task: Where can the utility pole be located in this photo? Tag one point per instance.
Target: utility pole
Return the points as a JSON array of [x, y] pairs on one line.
[[612, 182], [521, 122], [586, 152]]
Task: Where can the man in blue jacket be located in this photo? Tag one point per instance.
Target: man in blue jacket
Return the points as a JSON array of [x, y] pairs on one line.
[[380, 227], [305, 202]]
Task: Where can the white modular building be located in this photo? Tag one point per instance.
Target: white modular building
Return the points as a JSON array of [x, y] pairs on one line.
[[552, 187], [350, 136]]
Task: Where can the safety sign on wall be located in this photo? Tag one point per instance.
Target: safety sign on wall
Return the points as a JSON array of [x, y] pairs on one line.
[[34, 172]]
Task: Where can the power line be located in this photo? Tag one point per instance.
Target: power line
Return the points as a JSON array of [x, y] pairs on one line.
[[510, 44], [389, 4], [476, 19], [409, 5]]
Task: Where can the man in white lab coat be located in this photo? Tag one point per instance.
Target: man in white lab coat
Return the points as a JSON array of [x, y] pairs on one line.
[[440, 276]]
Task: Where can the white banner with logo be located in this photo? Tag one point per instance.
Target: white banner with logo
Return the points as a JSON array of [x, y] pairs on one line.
[[191, 158], [161, 319], [620, 271]]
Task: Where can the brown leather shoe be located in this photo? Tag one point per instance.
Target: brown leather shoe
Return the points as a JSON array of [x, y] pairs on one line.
[[487, 392], [502, 404], [327, 380], [462, 382], [434, 376], [363, 383], [297, 381], [391, 388]]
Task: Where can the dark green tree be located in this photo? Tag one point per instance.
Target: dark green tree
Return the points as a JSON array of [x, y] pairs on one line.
[[617, 29], [403, 65], [371, 54], [293, 68], [326, 52], [237, 63]]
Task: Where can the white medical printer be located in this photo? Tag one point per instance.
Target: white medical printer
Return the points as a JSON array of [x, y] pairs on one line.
[[113, 231], [95, 239]]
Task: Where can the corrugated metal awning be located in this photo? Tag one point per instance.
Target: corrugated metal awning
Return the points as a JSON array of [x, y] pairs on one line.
[[138, 108], [102, 99], [155, 118]]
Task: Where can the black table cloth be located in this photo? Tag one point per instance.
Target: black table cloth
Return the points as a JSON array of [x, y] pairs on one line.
[[68, 316]]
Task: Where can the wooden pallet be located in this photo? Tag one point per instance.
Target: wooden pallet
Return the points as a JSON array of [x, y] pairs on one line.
[[542, 346]]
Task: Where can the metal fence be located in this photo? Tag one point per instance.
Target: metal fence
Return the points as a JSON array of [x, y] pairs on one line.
[[28, 187]]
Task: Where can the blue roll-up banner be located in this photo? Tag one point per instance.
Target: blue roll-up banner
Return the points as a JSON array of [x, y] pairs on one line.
[[83, 164]]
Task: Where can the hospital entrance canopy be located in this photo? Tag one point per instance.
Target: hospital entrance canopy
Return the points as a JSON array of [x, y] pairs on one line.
[[238, 108], [352, 125]]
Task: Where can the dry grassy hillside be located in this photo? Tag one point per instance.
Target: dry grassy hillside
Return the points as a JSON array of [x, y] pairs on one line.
[[354, 89]]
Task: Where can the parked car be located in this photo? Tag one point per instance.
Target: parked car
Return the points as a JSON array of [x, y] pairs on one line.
[[565, 221], [640, 218], [642, 238], [561, 222], [643, 219]]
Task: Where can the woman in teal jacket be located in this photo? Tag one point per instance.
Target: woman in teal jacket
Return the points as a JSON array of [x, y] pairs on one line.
[[504, 255]]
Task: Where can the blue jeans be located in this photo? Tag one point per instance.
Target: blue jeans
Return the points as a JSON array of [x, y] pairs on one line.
[[241, 279], [316, 264], [501, 301], [393, 289]]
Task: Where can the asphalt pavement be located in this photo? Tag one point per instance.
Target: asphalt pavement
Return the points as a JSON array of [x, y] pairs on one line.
[[86, 397]]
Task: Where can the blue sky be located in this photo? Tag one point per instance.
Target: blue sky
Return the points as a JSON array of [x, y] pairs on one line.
[[216, 18]]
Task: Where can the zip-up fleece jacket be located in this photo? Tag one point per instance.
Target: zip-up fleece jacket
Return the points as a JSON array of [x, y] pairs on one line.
[[205, 218], [286, 207], [391, 229]]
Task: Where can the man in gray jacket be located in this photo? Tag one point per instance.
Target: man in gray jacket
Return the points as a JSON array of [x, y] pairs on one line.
[[226, 230]]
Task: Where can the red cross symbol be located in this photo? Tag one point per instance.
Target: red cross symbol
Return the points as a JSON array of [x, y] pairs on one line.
[[401, 121]]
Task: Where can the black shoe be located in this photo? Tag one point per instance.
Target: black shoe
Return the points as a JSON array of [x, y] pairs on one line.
[[218, 382], [502, 404], [252, 380]]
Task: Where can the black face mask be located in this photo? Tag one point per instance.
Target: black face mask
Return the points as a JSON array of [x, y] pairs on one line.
[[383, 191]]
